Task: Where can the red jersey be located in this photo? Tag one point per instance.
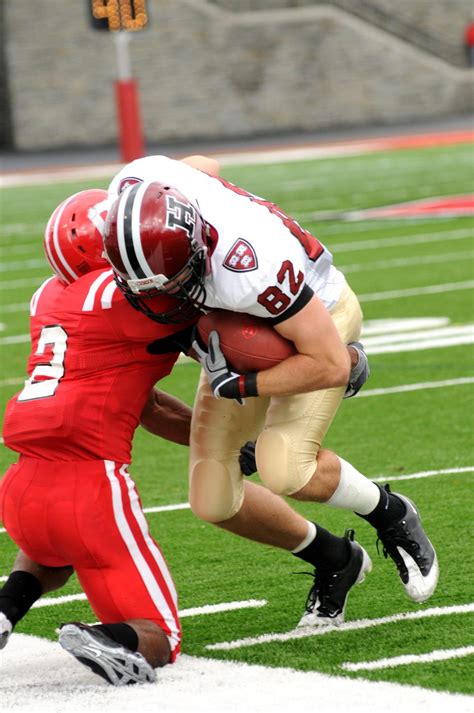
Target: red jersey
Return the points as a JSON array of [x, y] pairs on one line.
[[90, 373]]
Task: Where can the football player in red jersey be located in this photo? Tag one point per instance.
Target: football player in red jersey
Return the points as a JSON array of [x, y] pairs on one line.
[[69, 502], [213, 244]]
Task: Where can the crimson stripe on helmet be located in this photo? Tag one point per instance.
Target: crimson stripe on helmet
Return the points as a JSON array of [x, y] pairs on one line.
[[128, 232]]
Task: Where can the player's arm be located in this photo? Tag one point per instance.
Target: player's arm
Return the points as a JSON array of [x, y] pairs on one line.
[[203, 163], [166, 416], [322, 362]]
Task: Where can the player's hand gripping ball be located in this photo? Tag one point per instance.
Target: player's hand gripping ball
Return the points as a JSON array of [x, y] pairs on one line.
[[248, 343]]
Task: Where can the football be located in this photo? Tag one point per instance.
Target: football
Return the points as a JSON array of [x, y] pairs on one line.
[[248, 343]]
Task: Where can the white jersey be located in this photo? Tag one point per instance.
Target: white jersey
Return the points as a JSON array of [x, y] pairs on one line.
[[262, 261]]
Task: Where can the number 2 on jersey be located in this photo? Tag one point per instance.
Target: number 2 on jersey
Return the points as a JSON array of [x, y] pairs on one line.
[[45, 378]]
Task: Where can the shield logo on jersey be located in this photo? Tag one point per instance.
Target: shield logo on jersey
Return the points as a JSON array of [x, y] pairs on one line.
[[241, 257], [126, 182]]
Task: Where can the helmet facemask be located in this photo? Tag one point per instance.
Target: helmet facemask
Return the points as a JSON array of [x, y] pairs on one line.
[[154, 240]]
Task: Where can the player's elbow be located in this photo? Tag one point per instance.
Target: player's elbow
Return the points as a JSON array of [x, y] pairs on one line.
[[339, 372]]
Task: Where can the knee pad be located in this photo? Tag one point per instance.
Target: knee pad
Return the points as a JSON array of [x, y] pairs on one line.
[[282, 469], [216, 491]]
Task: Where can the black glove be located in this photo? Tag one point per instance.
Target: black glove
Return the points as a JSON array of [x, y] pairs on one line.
[[224, 382], [247, 462]]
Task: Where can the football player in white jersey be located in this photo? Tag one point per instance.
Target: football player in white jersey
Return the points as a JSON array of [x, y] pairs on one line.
[[182, 231]]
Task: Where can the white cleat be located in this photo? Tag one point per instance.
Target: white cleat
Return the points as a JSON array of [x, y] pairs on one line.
[[414, 555]]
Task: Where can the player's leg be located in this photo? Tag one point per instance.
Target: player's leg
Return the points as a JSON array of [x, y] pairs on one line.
[[219, 495], [28, 579], [27, 582], [127, 583], [291, 462]]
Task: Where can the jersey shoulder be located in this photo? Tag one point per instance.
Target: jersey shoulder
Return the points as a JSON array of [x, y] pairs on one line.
[[149, 168]]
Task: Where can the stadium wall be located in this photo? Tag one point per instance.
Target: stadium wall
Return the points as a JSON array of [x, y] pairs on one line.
[[207, 72]]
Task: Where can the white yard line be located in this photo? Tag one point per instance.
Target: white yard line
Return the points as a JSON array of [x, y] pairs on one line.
[[408, 659], [414, 291], [404, 262], [306, 632], [193, 611], [422, 474], [400, 240], [420, 386]]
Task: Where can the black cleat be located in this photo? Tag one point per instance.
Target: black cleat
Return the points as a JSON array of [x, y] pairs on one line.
[[105, 657], [327, 597], [408, 546]]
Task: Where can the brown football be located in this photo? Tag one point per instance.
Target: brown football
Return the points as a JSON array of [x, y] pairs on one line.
[[248, 343]]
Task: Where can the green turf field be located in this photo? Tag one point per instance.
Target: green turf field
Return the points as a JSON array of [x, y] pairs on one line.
[[402, 270]]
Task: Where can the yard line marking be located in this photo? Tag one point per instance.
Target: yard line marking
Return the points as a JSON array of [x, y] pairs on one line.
[[464, 337], [403, 262], [306, 632], [422, 385], [224, 607], [413, 291], [52, 601], [436, 655], [11, 382], [378, 479], [402, 240], [167, 508], [18, 307], [424, 334], [20, 265], [374, 327], [15, 339], [192, 611], [34, 282], [422, 474]]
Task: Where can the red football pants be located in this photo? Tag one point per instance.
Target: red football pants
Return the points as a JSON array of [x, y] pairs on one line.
[[88, 514]]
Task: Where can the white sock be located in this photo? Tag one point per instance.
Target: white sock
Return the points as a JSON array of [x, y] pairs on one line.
[[308, 539], [355, 491]]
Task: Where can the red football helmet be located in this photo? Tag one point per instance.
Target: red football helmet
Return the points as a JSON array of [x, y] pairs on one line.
[[155, 241], [73, 239]]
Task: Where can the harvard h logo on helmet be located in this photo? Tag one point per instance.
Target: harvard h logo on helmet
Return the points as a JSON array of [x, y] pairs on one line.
[[155, 241]]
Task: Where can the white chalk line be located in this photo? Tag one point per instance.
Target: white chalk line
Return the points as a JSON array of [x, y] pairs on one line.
[[414, 291], [421, 386], [408, 659], [406, 262], [306, 632], [193, 611]]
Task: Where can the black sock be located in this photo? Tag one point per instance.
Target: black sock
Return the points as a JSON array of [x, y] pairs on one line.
[[19, 593], [326, 551], [123, 634], [390, 509]]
